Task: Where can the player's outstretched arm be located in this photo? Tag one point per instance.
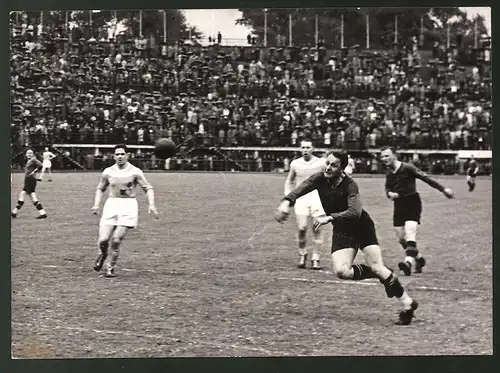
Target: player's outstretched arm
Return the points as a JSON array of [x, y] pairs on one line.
[[306, 187], [283, 209], [419, 174], [148, 188], [101, 188], [290, 180]]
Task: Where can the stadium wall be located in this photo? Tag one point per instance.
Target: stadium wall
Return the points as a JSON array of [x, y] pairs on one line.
[[95, 157]]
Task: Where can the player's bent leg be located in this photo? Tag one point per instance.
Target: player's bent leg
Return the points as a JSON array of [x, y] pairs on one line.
[[302, 223], [400, 234], [118, 235], [42, 214], [413, 258], [318, 240], [343, 268], [393, 288], [105, 232], [19, 204], [42, 173]]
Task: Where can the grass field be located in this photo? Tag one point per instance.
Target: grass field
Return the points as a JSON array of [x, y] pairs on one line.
[[216, 276]]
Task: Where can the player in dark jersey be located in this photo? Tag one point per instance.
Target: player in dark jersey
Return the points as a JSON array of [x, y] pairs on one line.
[[353, 230], [32, 166], [400, 186], [472, 171]]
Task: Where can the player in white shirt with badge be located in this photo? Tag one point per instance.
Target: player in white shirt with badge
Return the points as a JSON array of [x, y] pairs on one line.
[[349, 169], [121, 210], [308, 206], [47, 164]]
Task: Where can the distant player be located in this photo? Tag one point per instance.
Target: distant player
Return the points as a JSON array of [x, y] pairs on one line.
[[353, 230], [472, 171], [47, 164], [121, 211], [400, 186], [307, 206], [33, 165], [349, 169]]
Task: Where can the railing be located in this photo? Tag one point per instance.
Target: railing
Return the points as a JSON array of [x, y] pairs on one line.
[[257, 159]]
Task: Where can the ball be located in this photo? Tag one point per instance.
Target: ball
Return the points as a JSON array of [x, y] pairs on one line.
[[164, 148]]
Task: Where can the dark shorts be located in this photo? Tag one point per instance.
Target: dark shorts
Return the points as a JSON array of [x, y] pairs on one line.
[[471, 173], [356, 235], [407, 208], [29, 185]]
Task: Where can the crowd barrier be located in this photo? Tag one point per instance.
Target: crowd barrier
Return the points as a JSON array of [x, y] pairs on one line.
[[258, 159]]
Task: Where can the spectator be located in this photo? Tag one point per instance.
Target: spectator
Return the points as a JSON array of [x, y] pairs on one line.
[[96, 91]]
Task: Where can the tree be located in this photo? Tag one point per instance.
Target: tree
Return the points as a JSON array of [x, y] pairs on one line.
[[382, 25], [94, 22]]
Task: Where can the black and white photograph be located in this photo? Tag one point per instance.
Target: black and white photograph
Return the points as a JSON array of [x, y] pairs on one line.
[[251, 182]]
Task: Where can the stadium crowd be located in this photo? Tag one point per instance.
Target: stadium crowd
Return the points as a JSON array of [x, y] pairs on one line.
[[96, 91]]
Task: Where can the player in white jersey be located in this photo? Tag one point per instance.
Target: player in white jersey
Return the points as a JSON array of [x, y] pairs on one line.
[[47, 164], [349, 169], [121, 211], [308, 206]]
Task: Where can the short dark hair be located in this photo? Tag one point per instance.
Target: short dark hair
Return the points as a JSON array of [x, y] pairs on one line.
[[391, 148], [340, 155], [120, 146]]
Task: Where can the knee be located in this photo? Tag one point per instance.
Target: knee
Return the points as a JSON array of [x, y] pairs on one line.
[[343, 272], [115, 241], [103, 241]]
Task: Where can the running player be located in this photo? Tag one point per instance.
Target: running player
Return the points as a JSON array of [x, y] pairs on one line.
[[121, 211], [472, 171], [350, 166], [32, 166], [353, 230], [400, 186], [307, 206], [47, 164]]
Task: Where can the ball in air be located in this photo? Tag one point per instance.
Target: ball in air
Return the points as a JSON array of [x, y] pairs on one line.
[[165, 148]]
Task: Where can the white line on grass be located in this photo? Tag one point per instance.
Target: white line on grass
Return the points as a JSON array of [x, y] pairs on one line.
[[328, 281], [370, 283], [140, 335]]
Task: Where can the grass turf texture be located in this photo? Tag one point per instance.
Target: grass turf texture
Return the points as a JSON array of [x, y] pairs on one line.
[[216, 276]]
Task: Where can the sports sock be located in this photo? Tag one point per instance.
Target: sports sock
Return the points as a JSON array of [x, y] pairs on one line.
[[362, 272], [103, 247], [393, 287], [18, 207], [402, 242], [411, 252], [115, 251], [302, 243], [405, 300], [39, 207]]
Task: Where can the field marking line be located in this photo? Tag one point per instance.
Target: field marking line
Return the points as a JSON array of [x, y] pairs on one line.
[[370, 283], [141, 335], [326, 281]]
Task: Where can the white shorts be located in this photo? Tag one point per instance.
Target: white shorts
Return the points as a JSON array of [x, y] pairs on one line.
[[47, 164], [309, 205], [120, 211], [471, 178], [348, 170]]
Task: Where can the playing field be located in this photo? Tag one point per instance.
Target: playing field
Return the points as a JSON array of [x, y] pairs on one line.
[[216, 276]]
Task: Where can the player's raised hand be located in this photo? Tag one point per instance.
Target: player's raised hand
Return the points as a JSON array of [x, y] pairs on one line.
[[95, 210], [393, 195], [448, 193], [320, 221], [152, 210], [281, 213]]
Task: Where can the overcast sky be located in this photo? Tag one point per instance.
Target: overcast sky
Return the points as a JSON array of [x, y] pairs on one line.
[[211, 21]]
